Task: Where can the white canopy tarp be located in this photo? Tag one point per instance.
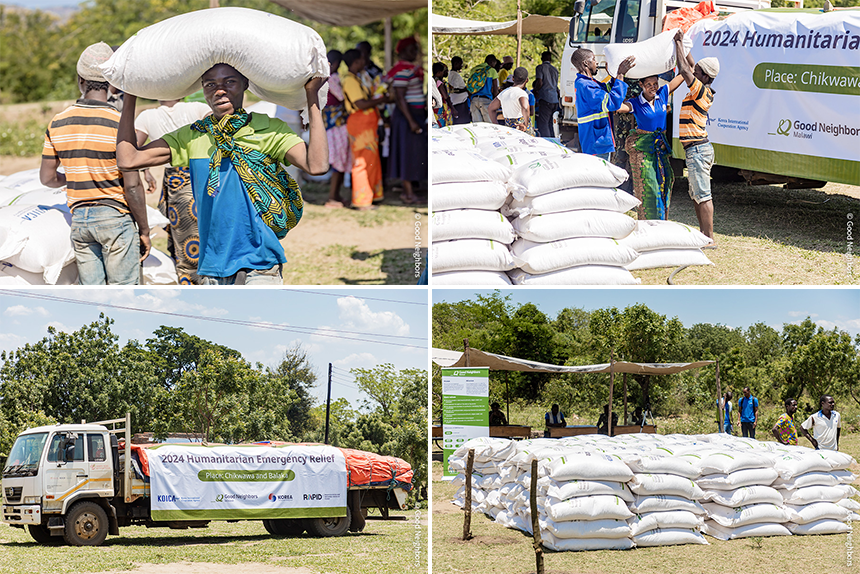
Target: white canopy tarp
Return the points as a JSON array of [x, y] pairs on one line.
[[477, 358], [350, 12], [532, 24]]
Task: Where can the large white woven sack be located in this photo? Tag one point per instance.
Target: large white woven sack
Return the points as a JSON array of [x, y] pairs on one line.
[[725, 462], [811, 494], [165, 61], [47, 196], [23, 181], [579, 275], [656, 464], [562, 172], [669, 537], [586, 466], [755, 494], [575, 488], [606, 528], [495, 148], [655, 234], [838, 460], [665, 484], [36, 239], [731, 481], [580, 544], [523, 157], [471, 224], [669, 258], [804, 514], [483, 129], [598, 507], [790, 465], [491, 278], [535, 257], [653, 56], [159, 269], [663, 503], [470, 254], [450, 142], [826, 526], [570, 224], [464, 165], [11, 275], [759, 529], [642, 523], [849, 504], [486, 449], [817, 478], [743, 515], [605, 198], [489, 195]]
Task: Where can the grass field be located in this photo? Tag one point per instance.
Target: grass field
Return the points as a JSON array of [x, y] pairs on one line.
[[499, 550], [385, 547]]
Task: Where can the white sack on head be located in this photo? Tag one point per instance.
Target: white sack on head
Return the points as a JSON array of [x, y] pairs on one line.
[[653, 56], [165, 61]]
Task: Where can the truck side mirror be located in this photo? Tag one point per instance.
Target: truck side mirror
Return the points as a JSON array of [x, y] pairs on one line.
[[579, 7], [69, 450]]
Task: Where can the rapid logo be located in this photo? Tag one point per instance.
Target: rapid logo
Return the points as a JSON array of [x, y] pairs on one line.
[[312, 497]]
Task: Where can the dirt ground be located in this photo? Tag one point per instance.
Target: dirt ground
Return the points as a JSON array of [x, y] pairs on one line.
[[210, 568]]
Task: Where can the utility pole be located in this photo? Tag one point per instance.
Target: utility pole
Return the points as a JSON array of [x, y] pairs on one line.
[[328, 403]]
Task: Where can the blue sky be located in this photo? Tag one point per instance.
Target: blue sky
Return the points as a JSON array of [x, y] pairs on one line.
[[727, 306], [390, 315]]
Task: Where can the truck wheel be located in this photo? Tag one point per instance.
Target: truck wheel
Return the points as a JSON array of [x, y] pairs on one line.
[[86, 525], [329, 526], [270, 527], [42, 535], [289, 526]]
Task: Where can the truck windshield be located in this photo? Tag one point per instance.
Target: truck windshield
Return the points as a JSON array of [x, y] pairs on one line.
[[628, 21], [595, 26], [25, 455]]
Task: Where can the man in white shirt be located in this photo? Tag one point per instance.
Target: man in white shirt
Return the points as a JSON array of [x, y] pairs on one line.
[[826, 425], [458, 93]]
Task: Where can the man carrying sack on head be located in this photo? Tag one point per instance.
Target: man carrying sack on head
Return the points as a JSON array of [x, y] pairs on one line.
[[246, 202]]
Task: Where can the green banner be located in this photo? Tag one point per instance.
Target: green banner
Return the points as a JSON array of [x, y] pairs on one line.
[[245, 475], [465, 409], [248, 513], [843, 80]]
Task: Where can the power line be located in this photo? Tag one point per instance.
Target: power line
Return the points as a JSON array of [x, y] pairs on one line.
[[351, 295], [270, 326]]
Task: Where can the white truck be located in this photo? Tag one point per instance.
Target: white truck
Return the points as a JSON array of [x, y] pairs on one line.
[[768, 129], [78, 483]]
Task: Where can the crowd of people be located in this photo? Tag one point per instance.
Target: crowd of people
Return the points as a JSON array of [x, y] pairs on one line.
[[491, 93], [226, 193]]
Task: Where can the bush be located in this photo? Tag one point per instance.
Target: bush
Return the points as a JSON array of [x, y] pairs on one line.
[[22, 139]]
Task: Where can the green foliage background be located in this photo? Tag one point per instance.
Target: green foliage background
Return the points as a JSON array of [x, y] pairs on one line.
[[38, 53]]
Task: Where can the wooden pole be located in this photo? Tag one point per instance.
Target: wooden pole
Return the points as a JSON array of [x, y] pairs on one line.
[[507, 399], [611, 388], [535, 525], [519, 32], [388, 60], [466, 351], [719, 396], [624, 378], [467, 520]]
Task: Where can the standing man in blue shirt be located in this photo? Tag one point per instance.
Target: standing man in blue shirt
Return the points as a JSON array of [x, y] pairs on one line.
[[486, 75], [748, 409]]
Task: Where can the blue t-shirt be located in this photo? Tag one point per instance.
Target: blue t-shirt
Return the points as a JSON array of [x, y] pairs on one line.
[[746, 406], [531, 97], [233, 236], [648, 119]]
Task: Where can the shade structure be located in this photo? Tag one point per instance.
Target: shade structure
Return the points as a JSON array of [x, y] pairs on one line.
[[532, 24], [350, 12]]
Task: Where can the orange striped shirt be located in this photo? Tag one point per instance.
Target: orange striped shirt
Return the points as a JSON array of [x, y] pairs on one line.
[[83, 138], [694, 114]]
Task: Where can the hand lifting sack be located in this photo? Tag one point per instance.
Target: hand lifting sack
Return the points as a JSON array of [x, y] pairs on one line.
[[471, 224], [743, 515], [471, 255], [604, 198], [669, 258], [571, 224], [165, 61], [759, 529], [657, 464], [755, 494], [653, 234], [581, 544], [669, 537], [653, 56], [733, 480], [598, 507], [562, 172], [11, 275], [492, 278], [585, 466], [579, 275], [804, 514], [466, 166], [534, 257], [666, 484], [603, 528], [490, 195], [642, 523], [826, 526], [36, 239], [561, 491]]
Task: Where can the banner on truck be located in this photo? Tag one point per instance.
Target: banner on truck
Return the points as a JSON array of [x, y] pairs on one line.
[[465, 409], [787, 94], [246, 482]]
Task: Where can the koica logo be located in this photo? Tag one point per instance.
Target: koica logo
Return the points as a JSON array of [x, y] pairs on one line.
[[312, 497], [166, 498]]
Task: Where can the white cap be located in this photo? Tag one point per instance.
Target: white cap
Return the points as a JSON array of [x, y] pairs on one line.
[[710, 66]]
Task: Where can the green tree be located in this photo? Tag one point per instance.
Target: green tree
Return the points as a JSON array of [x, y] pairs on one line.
[[292, 378]]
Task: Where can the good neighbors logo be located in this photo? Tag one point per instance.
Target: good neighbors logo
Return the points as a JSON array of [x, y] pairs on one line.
[[806, 130]]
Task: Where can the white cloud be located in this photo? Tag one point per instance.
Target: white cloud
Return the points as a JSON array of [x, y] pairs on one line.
[[263, 322], [59, 327], [357, 360], [162, 300], [803, 314], [356, 314], [851, 325], [23, 311]]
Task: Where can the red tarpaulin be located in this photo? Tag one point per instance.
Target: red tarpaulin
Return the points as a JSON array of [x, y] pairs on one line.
[[683, 18]]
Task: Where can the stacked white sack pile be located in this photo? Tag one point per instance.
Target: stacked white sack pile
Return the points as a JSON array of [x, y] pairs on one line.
[[596, 492], [35, 236], [666, 244]]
